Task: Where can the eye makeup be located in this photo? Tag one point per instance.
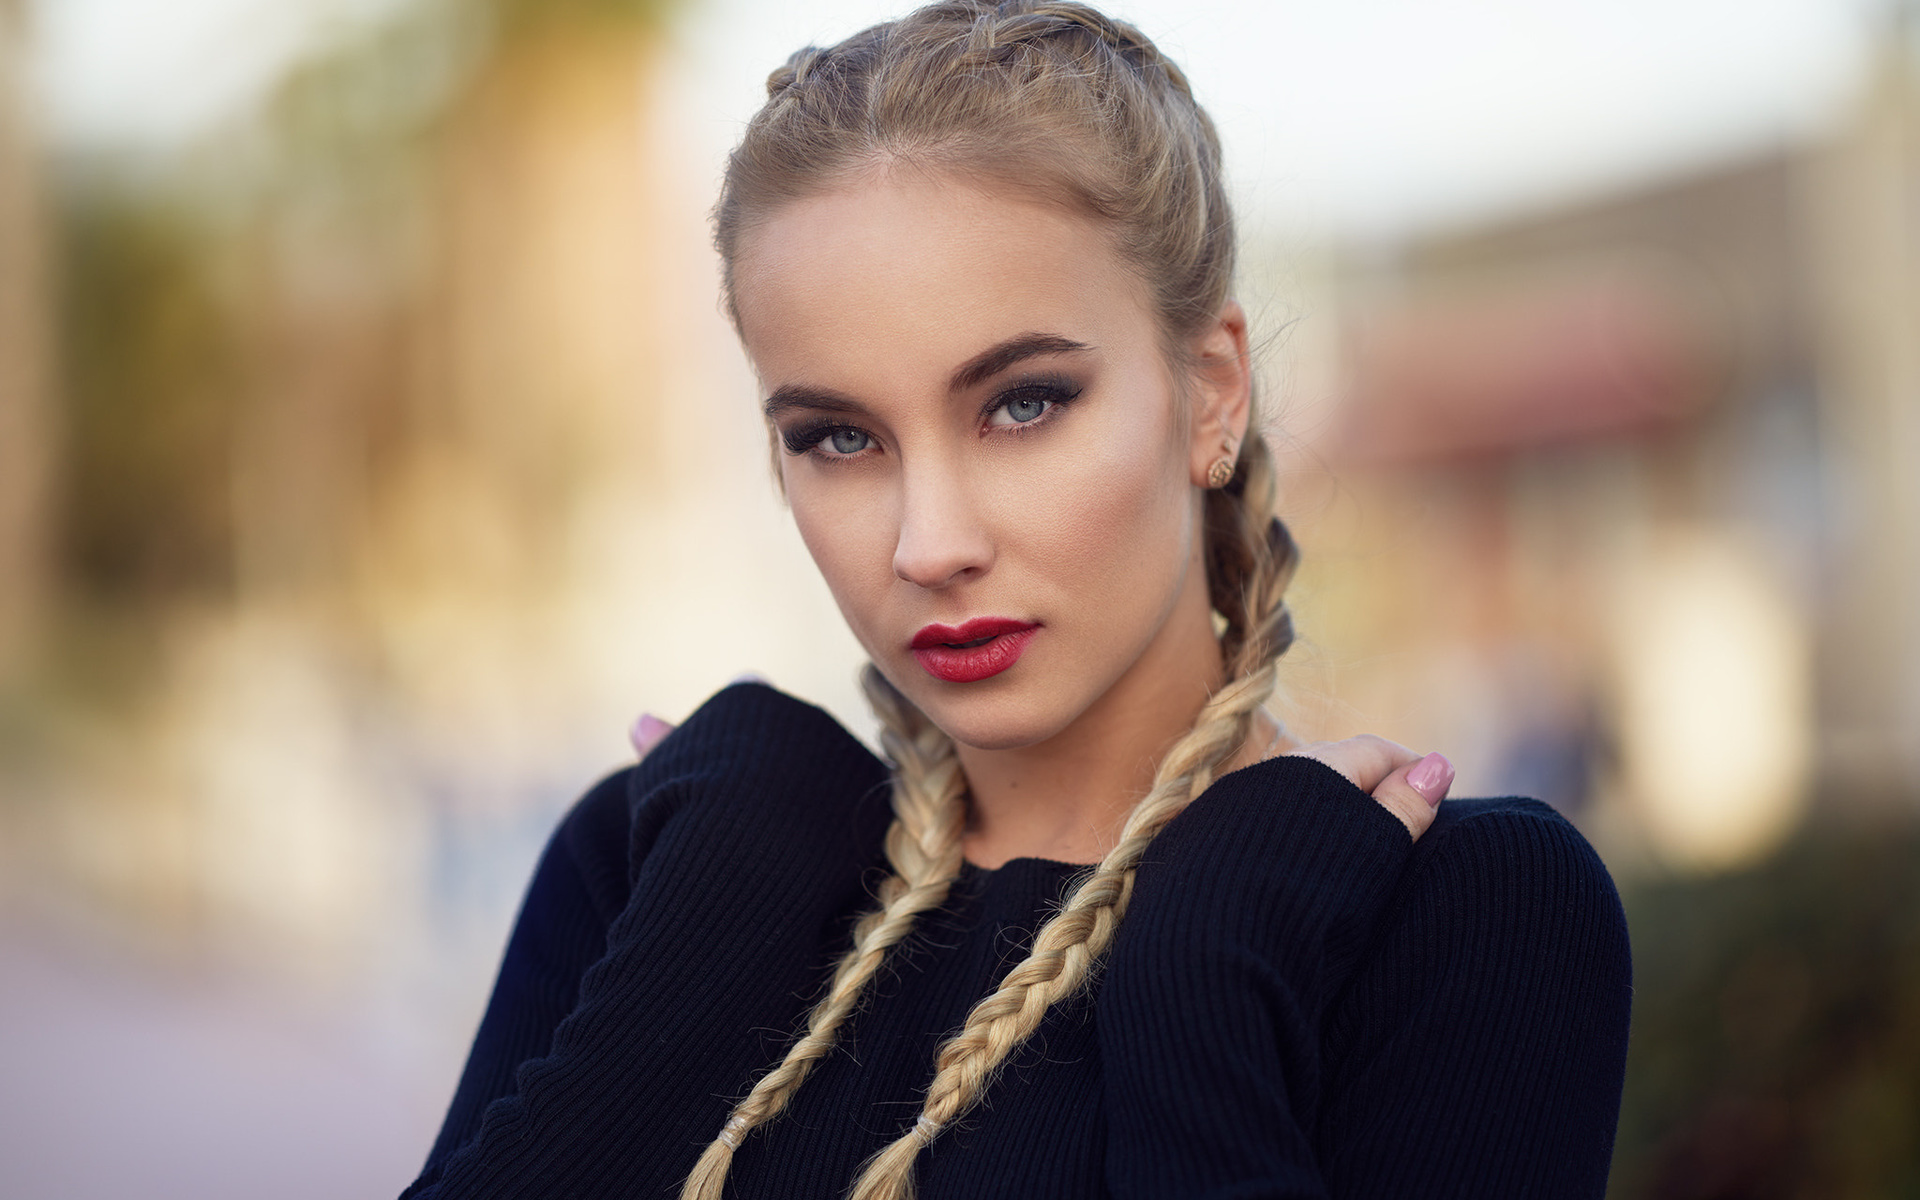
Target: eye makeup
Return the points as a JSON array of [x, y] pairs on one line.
[[1055, 392], [832, 437], [803, 437]]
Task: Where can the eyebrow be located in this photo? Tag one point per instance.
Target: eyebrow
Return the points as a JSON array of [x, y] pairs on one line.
[[995, 359], [975, 371], [799, 395]]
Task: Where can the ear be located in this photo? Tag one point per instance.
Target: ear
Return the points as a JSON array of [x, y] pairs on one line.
[[1222, 397]]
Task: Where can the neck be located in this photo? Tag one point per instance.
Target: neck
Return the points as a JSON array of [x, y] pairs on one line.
[[1068, 798]]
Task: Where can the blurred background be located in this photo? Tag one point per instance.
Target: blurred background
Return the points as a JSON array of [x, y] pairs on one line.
[[372, 452]]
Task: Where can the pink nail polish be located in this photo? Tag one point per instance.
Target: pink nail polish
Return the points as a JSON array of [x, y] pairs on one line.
[[647, 732], [1431, 777]]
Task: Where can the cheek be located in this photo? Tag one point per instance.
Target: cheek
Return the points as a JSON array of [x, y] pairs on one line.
[[1110, 508], [850, 534]]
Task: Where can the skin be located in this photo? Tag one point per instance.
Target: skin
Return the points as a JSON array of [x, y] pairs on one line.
[[1059, 483]]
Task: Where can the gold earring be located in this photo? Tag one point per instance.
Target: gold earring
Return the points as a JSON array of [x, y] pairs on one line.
[[1220, 473]]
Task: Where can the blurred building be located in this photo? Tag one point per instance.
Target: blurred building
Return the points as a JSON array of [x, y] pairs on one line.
[[1634, 491]]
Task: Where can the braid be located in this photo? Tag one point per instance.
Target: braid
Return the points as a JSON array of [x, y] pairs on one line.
[[794, 71], [923, 847], [1250, 558], [1015, 22]]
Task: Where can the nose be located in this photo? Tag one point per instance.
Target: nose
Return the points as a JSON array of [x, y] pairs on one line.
[[942, 538]]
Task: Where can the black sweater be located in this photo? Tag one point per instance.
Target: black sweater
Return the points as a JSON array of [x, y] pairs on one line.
[[1299, 1003]]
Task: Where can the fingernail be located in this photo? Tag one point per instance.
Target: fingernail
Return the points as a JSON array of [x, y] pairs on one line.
[[647, 732], [1431, 777]]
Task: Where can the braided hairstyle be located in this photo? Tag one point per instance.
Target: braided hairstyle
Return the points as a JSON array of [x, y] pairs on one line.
[[1053, 99]]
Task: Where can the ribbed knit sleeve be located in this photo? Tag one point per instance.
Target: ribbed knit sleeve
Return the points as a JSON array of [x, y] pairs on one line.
[[1249, 913], [1480, 1050], [1303, 1004], [748, 837], [578, 888]]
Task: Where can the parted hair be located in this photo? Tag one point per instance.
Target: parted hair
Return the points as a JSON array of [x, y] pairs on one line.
[[1054, 99]]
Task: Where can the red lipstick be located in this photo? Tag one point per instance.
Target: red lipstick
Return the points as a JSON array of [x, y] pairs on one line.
[[978, 649]]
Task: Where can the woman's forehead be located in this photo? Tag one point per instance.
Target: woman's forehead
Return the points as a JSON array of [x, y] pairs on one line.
[[925, 267]]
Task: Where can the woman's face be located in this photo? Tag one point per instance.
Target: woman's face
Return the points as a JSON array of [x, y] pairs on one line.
[[985, 449]]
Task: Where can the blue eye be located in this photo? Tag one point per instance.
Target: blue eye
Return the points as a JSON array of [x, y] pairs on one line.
[[1025, 409], [1028, 403], [826, 439], [848, 441]]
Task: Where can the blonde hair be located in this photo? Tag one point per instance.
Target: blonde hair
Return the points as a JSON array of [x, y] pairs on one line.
[[1055, 99]]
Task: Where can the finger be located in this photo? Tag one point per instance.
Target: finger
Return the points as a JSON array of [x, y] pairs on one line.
[[647, 733], [1376, 758], [1413, 793], [1365, 760]]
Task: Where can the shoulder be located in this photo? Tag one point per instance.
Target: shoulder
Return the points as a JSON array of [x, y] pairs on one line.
[[1485, 816], [751, 764], [751, 742], [1505, 895], [1284, 810], [1497, 995], [1284, 862], [752, 730], [1498, 988], [1514, 852], [1492, 882]]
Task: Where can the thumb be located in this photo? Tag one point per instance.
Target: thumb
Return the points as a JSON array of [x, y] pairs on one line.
[[1413, 793]]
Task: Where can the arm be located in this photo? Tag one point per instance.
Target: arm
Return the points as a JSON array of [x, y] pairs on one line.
[[748, 835], [1306, 1014], [1480, 1050], [1250, 912], [579, 886]]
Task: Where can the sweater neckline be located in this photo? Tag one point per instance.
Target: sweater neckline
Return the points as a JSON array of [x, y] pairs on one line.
[[1024, 865]]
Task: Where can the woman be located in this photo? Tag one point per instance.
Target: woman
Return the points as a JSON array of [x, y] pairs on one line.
[[1106, 932]]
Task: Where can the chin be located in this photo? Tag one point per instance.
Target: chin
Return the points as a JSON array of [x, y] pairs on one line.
[[1007, 717]]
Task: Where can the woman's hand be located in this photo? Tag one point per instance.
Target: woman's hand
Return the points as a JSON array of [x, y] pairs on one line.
[[1406, 784]]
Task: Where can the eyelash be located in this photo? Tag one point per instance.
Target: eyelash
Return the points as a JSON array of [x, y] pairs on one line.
[[1057, 393], [805, 438]]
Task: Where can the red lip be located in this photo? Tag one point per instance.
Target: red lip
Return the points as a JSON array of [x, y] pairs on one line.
[[975, 650]]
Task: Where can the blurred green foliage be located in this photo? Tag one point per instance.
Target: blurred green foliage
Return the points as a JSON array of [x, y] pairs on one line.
[[1776, 1027], [149, 368], [160, 270]]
